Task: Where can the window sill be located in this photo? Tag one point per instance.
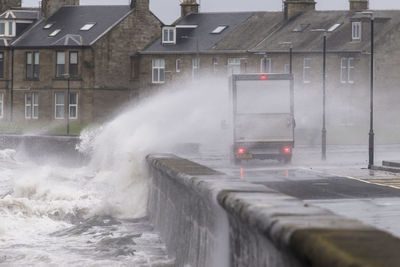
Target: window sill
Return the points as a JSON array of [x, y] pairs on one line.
[[32, 79]]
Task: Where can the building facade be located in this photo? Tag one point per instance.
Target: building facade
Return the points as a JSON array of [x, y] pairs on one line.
[[205, 45], [83, 50]]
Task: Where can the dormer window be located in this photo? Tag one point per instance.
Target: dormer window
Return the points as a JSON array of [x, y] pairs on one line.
[[7, 28], [54, 33], [356, 31], [169, 35], [87, 26]]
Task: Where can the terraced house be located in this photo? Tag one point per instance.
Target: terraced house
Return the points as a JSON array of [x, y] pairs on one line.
[[73, 61], [219, 44]]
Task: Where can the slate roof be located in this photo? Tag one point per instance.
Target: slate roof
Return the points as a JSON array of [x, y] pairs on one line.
[[264, 31], [206, 23], [337, 40], [70, 19], [21, 14]]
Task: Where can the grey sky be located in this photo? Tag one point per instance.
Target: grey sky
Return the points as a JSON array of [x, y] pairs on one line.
[[168, 10]]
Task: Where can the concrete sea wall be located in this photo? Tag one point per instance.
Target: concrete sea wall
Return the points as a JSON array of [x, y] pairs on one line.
[[209, 219]]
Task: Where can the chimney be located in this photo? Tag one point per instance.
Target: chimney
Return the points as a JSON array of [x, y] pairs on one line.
[[51, 6], [294, 7], [359, 5], [7, 4], [140, 4], [189, 6]]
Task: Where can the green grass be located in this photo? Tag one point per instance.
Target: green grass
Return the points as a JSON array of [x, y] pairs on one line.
[[45, 128]]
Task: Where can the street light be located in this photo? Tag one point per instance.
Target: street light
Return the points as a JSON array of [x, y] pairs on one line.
[[323, 138], [66, 75], [371, 120]]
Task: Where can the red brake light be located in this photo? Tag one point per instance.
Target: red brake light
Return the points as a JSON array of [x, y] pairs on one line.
[[263, 77], [286, 149], [241, 150]]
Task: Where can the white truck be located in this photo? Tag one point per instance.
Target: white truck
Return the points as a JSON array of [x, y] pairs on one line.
[[263, 116]]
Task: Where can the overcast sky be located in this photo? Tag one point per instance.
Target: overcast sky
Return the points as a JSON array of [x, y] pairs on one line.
[[169, 10]]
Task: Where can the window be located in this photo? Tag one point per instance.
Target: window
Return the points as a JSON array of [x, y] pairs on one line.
[[178, 65], [32, 65], [2, 28], [356, 31], [87, 26], [158, 75], [215, 64], [7, 28], [286, 68], [1, 105], [334, 27], [48, 26], [54, 33], [31, 106], [266, 65], [219, 29], [168, 35], [195, 67], [307, 70], [73, 64], [60, 65], [347, 70], [233, 66], [73, 105], [1, 64], [59, 108]]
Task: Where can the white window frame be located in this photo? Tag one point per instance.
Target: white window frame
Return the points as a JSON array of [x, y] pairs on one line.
[[347, 70], [266, 64], [73, 105], [350, 70], [178, 64], [167, 34], [286, 68], [54, 33], [7, 26], [34, 103], [1, 105], [195, 67], [215, 64], [356, 30], [59, 105], [343, 70], [306, 70], [233, 64], [158, 65]]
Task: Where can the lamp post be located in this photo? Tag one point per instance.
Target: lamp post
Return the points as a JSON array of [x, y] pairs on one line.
[[371, 118], [68, 98], [323, 137]]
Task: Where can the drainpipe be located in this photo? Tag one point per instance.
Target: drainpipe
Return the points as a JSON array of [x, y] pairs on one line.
[[12, 86]]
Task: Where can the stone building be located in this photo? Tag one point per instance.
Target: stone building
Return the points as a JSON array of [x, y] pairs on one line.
[[218, 44], [83, 50]]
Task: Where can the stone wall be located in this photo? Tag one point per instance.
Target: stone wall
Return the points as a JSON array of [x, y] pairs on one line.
[[208, 219]]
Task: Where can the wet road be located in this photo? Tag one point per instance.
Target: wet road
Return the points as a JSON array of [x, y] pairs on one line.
[[341, 184]]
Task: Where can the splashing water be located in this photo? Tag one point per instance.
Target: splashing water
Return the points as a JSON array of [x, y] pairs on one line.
[[53, 214]]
